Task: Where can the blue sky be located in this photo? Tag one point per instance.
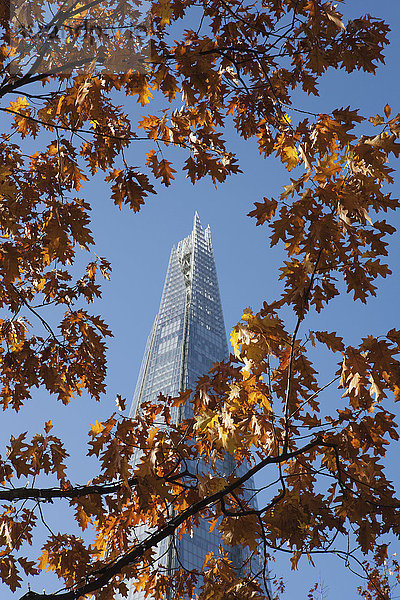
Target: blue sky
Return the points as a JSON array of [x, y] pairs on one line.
[[138, 245]]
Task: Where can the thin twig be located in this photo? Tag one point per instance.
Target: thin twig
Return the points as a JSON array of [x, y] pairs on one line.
[[292, 347]]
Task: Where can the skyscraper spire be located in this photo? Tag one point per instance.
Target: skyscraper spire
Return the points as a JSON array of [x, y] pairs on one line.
[[196, 220]]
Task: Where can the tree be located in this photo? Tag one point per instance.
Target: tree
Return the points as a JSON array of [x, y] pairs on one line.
[[238, 63]]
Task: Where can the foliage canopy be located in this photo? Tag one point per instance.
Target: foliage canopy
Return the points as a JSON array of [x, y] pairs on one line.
[[64, 67]]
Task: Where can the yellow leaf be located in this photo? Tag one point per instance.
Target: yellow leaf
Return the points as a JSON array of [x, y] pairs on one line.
[[44, 560], [53, 148], [247, 314], [265, 403], [207, 419], [144, 94], [97, 427], [19, 104], [285, 147], [59, 105]]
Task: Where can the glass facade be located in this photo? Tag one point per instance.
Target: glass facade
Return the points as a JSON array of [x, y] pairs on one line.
[[188, 334], [187, 337]]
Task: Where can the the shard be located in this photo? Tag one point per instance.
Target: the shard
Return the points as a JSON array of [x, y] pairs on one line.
[[188, 333], [187, 337]]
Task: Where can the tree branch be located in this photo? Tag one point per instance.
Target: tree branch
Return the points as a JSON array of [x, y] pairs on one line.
[[104, 575]]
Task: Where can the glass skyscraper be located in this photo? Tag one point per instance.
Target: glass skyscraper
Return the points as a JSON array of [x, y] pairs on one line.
[[187, 337], [188, 334]]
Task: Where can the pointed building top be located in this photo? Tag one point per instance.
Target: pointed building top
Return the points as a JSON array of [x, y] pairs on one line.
[[198, 230], [196, 221]]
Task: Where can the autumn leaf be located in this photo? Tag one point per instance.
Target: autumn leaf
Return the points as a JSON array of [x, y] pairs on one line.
[[206, 420], [286, 149], [164, 10], [377, 120], [20, 104], [120, 402], [331, 340], [131, 187], [97, 428], [166, 172]]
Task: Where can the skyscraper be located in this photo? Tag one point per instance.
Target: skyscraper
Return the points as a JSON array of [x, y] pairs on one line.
[[188, 333], [187, 337]]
